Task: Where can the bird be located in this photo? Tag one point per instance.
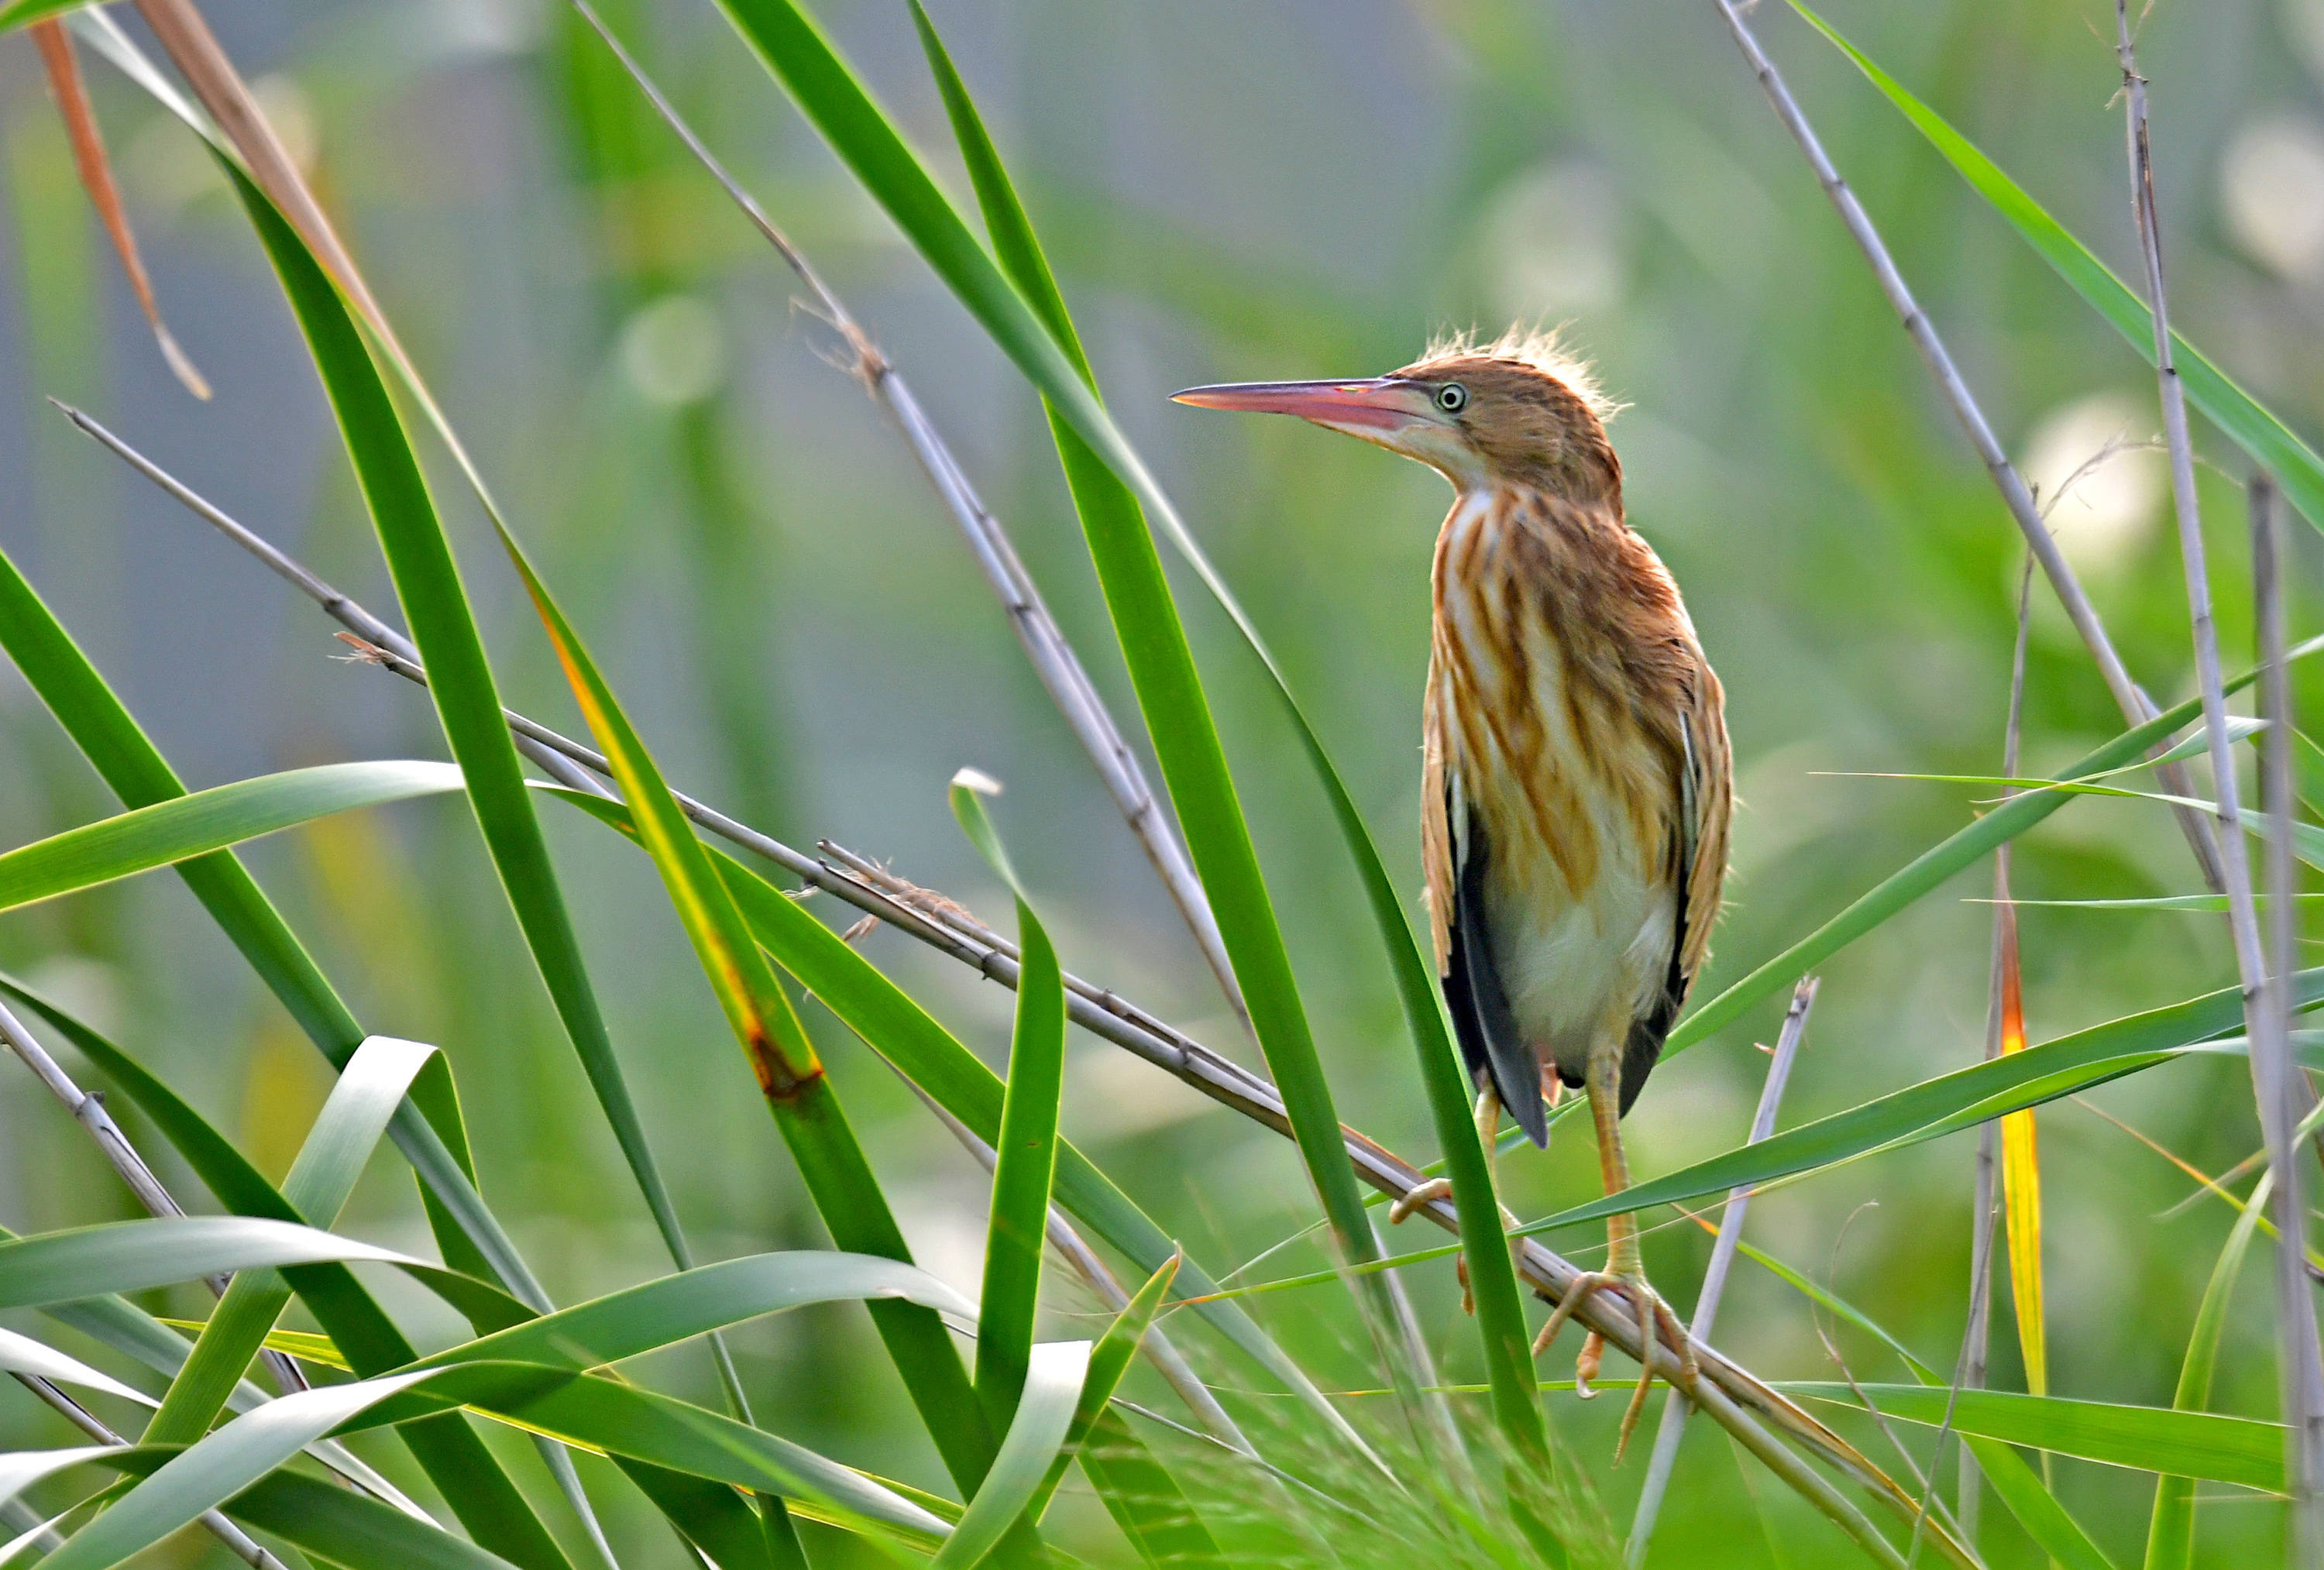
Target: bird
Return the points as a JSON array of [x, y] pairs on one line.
[[1577, 786]]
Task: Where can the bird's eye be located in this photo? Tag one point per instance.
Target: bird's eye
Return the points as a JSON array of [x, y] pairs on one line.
[[1451, 398]]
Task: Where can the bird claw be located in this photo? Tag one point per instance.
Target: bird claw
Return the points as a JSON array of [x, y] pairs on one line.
[[1412, 1200], [1657, 1321]]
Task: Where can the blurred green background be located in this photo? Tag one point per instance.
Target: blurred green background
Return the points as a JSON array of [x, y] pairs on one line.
[[1228, 191]]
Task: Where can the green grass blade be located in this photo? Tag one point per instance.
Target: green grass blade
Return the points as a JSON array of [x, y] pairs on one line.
[[195, 825], [1116, 533], [577, 1410], [467, 703], [430, 1136], [2020, 1488], [343, 1528], [1017, 1234], [1948, 1102], [133, 1256], [883, 1013], [798, 1092], [345, 1133], [1161, 666], [329, 1521], [22, 1354], [1109, 1361], [1932, 867], [2171, 1528], [2260, 433], [675, 1307], [1144, 1500], [1053, 1376], [2242, 1451], [19, 14]]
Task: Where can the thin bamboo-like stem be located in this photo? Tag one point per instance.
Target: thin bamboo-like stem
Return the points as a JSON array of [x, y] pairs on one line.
[[2303, 1381], [1051, 656], [2136, 708], [1733, 1398], [234, 1540], [1977, 1338], [87, 1110], [2266, 1017], [1714, 1279]]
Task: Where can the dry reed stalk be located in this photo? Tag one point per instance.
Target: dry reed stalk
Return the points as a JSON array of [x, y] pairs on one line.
[[2136, 708], [2277, 1089]]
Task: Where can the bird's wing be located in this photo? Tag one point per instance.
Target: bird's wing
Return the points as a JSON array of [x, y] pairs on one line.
[[1490, 1042], [1705, 807]]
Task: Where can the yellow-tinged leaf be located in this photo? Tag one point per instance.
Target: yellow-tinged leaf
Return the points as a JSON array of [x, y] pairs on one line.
[[2021, 1178]]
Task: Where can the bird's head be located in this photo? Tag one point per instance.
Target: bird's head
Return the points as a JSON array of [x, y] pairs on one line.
[[1517, 410]]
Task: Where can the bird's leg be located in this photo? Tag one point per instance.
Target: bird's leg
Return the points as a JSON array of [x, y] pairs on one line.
[[1626, 1270], [1488, 1134]]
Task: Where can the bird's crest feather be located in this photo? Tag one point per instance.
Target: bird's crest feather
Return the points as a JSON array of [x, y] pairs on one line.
[[1537, 346]]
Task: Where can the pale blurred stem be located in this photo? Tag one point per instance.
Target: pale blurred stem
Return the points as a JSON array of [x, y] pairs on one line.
[[1735, 1398], [2135, 707], [1103, 1284], [236, 1541], [1052, 656], [87, 1110], [1714, 1279], [2302, 1379], [2279, 1091], [1976, 1339]]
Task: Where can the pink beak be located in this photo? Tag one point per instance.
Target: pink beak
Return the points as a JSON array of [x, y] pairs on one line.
[[1383, 403]]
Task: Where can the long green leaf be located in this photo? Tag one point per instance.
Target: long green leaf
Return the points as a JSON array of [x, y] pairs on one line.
[[791, 1079], [428, 1129], [2242, 1451], [224, 1463], [2020, 1488], [137, 772], [1146, 619], [1109, 1361], [195, 825], [324, 1173], [324, 1519], [1139, 598], [22, 1354], [1949, 1102], [1138, 1490], [1053, 1376], [675, 1307], [883, 1013], [1026, 1157], [134, 1256], [2171, 1528], [2268, 439], [467, 703], [1933, 866]]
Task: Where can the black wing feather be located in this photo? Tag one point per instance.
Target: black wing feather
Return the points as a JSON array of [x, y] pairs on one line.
[[1644, 1047], [1490, 1041]]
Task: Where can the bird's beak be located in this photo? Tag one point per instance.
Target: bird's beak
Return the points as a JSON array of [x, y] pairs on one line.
[[1373, 409]]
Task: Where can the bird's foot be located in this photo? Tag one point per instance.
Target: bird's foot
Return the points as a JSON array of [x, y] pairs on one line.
[[1428, 1193], [1413, 1198], [1657, 1321]]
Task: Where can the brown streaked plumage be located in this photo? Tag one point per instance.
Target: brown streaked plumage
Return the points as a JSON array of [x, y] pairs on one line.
[[1576, 784]]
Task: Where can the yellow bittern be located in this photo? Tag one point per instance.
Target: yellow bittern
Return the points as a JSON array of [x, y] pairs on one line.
[[1575, 777]]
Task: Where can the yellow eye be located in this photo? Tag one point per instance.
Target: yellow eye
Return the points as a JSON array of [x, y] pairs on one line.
[[1451, 398]]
